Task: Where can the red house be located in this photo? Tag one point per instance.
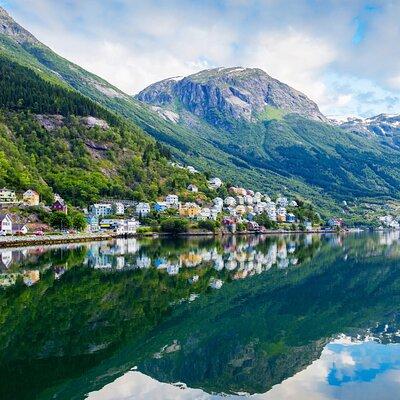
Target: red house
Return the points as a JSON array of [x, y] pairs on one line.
[[59, 206]]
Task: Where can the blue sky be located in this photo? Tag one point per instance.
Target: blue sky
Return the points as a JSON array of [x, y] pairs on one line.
[[342, 54]]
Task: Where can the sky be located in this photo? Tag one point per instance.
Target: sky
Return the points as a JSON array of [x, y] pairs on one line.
[[345, 55]]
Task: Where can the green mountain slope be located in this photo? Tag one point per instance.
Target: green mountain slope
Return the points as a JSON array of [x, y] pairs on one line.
[[50, 142]]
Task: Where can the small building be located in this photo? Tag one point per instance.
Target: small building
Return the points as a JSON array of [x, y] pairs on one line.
[[160, 206], [6, 224], [230, 201], [7, 196], [282, 201], [60, 206], [19, 229], [119, 209], [218, 203], [193, 188], [293, 203], [281, 217], [172, 200], [214, 183], [131, 226], [191, 169], [31, 198], [101, 209], [142, 209], [93, 222], [290, 218], [189, 210], [240, 209], [205, 213]]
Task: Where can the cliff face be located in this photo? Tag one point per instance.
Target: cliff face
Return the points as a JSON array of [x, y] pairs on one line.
[[225, 93]]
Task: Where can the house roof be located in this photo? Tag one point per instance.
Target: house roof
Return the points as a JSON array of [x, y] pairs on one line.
[[3, 216]]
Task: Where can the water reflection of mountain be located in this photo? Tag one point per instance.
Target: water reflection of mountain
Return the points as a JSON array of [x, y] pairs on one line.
[[81, 329]]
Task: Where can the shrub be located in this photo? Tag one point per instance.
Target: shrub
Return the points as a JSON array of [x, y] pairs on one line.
[[174, 225]]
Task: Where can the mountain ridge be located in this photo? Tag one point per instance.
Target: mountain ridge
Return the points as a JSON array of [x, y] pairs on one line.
[[237, 92]]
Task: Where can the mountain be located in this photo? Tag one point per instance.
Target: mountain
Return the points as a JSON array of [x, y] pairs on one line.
[[384, 127], [223, 93], [274, 135], [239, 124]]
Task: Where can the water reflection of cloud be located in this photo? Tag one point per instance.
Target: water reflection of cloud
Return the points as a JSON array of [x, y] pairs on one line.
[[366, 371]]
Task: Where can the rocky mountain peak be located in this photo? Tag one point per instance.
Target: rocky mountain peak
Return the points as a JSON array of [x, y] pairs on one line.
[[12, 29], [236, 92]]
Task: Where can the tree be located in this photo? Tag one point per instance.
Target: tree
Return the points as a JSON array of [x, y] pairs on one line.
[[59, 220], [208, 225], [79, 221], [265, 221], [174, 225]]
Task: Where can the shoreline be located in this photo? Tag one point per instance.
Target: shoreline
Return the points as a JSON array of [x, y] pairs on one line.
[[23, 241]]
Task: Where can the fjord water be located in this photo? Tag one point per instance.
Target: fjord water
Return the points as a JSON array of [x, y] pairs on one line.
[[296, 317]]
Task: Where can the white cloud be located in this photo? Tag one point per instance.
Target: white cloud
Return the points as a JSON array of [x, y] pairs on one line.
[[294, 58]]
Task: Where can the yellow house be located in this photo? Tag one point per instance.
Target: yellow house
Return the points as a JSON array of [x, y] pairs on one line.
[[31, 198], [189, 210]]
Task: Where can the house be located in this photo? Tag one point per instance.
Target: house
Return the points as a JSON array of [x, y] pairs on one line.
[[193, 188], [214, 211], [240, 209], [230, 201], [142, 209], [308, 225], [214, 183], [6, 224], [60, 206], [119, 209], [172, 200], [191, 169], [293, 203], [290, 218], [93, 222], [160, 206], [335, 222], [281, 217], [131, 226], [7, 196], [205, 213], [240, 200], [282, 201], [31, 198], [19, 229], [218, 203], [101, 209], [189, 210], [253, 226]]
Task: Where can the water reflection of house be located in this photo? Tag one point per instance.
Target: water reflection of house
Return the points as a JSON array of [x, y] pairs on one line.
[[6, 258], [190, 259], [30, 277], [8, 279]]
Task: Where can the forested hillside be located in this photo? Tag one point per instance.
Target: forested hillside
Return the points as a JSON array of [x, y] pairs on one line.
[[47, 145]]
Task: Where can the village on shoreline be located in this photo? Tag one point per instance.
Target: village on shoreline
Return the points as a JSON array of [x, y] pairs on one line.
[[240, 211]]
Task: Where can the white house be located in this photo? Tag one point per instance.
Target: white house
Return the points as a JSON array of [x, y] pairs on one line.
[[205, 213], [119, 209], [230, 201], [193, 188], [6, 224], [19, 228], [282, 201], [215, 183], [172, 200], [191, 169], [131, 226], [101, 210], [143, 209], [7, 196], [218, 203]]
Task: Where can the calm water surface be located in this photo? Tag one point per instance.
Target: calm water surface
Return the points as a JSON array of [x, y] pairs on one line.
[[291, 317]]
